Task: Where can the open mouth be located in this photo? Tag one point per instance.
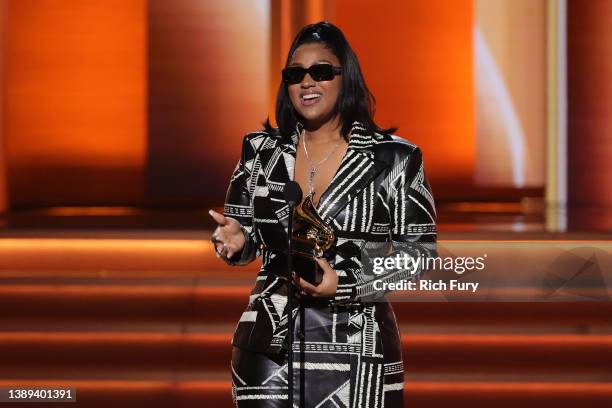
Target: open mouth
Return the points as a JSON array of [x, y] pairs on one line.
[[310, 98]]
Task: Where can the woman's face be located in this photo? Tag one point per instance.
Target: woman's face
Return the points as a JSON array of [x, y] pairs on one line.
[[318, 110]]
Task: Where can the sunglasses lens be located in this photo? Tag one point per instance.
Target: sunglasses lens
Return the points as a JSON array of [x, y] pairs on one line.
[[318, 72], [322, 72], [293, 75]]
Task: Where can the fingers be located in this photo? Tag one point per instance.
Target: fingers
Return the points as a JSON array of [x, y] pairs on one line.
[[327, 286], [219, 218], [216, 238], [324, 264], [222, 247], [219, 246], [306, 286], [329, 274], [324, 288], [230, 252], [225, 236], [223, 250]]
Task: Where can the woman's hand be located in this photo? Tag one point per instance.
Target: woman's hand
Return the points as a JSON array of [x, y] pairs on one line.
[[227, 237], [327, 286]]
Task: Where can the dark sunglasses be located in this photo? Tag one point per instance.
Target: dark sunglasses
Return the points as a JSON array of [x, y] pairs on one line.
[[318, 72]]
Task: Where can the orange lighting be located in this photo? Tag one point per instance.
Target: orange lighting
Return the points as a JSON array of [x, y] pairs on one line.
[[75, 100], [417, 60]]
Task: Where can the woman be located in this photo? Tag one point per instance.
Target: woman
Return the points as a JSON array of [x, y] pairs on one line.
[[370, 187]]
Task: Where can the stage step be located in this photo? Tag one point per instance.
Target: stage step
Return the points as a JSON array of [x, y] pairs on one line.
[[26, 354], [191, 302], [148, 321]]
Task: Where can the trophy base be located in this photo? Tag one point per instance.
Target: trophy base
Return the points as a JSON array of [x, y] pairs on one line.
[[307, 268]]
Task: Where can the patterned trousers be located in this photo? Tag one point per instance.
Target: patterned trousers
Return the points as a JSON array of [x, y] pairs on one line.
[[348, 359]]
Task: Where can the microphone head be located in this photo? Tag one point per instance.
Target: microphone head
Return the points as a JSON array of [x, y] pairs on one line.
[[292, 192]]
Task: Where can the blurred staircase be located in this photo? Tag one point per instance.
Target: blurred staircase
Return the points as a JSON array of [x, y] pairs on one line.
[[146, 320]]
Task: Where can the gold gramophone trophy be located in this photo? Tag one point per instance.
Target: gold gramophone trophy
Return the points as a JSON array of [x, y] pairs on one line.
[[311, 238]]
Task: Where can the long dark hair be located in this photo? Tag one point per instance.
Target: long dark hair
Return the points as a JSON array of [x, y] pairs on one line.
[[355, 101]]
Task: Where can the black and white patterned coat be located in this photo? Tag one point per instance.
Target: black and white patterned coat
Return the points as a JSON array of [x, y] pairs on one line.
[[378, 194]]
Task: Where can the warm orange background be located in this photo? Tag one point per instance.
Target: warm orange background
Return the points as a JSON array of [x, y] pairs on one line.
[[417, 59], [208, 69], [75, 100], [510, 74], [126, 102], [589, 114]]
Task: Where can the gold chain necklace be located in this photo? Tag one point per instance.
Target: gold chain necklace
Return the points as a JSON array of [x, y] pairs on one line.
[[314, 166]]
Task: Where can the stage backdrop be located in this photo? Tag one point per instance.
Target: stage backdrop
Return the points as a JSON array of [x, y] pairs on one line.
[[134, 102]]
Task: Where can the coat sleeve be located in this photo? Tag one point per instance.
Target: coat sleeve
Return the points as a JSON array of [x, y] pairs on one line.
[[239, 205], [412, 230], [412, 208]]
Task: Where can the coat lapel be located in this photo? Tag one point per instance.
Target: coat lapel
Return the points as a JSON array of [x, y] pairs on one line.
[[279, 165], [357, 169]]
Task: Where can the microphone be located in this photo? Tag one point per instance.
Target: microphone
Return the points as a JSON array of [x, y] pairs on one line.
[[292, 192]]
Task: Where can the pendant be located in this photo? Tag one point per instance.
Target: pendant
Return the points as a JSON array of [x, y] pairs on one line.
[[313, 171]]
